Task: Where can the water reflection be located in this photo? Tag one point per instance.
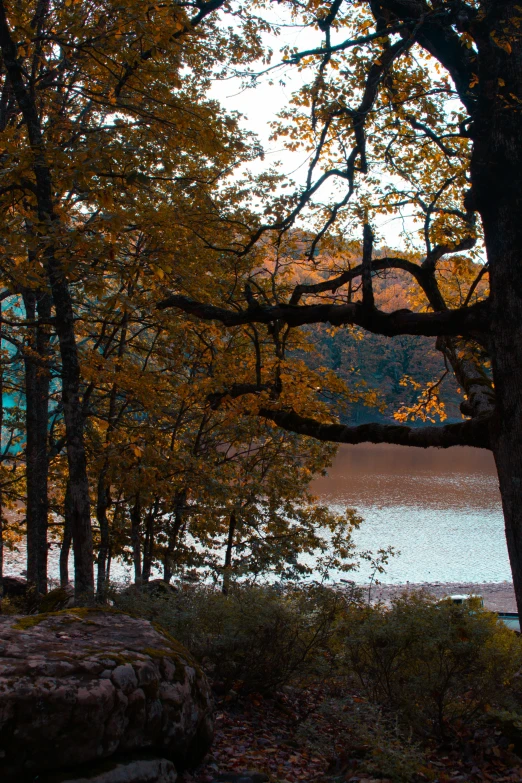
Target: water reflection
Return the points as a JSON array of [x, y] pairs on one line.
[[440, 508]]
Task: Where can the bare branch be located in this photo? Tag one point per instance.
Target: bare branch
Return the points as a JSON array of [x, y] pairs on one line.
[[464, 321], [378, 265], [474, 432]]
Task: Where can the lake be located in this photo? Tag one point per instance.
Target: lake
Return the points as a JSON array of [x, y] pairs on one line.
[[440, 508]]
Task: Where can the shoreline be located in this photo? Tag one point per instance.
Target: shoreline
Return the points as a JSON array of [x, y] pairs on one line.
[[498, 596]]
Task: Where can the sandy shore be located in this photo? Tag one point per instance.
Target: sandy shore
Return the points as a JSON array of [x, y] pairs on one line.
[[499, 597]]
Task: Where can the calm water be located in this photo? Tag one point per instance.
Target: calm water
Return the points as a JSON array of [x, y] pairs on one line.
[[441, 509]]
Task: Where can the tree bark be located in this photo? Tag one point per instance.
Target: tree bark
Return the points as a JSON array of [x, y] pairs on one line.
[[1, 494], [496, 171], [38, 308], [103, 502], [148, 544], [67, 540], [79, 507], [174, 534], [227, 570], [136, 538]]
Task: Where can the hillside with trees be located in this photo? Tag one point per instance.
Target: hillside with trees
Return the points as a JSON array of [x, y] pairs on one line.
[[407, 375]]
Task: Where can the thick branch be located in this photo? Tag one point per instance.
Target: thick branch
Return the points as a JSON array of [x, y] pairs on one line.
[[436, 33], [465, 321], [378, 265], [474, 432]]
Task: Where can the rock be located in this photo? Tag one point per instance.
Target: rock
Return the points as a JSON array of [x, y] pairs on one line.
[[133, 771], [158, 588], [59, 598], [14, 586], [83, 684]]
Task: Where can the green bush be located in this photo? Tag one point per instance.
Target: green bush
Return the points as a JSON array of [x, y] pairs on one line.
[[368, 743], [255, 638], [435, 664]]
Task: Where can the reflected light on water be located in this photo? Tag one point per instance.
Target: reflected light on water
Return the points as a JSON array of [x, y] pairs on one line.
[[441, 509]]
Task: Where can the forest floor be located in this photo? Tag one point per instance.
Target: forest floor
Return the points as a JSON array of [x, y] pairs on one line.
[[303, 734]]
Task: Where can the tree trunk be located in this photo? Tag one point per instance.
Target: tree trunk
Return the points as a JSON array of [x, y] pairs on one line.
[[227, 571], [79, 508], [102, 504], [497, 192], [136, 538], [174, 533], [67, 539], [148, 546], [37, 306], [48, 219], [2, 453]]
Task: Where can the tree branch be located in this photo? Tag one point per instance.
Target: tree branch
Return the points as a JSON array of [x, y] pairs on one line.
[[465, 321], [347, 44], [474, 432], [437, 35]]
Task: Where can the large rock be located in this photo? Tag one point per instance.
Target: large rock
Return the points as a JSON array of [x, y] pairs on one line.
[[84, 684], [14, 586]]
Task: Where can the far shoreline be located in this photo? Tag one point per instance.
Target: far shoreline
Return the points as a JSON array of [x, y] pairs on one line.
[[498, 596]]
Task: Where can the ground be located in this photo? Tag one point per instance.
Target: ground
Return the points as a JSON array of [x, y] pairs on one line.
[[299, 736]]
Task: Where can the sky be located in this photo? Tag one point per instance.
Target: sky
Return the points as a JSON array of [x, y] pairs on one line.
[[261, 104]]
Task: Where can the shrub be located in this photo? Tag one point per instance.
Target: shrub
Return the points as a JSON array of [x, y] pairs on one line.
[[367, 743], [253, 639], [433, 663]]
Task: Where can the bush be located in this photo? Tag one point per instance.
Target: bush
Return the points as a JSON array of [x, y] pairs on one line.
[[435, 664], [367, 742], [255, 638]]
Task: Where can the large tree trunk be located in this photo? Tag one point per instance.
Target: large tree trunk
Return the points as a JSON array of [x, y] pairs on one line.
[[48, 220], [497, 192], [79, 508], [148, 545], [37, 306], [103, 502], [1, 494]]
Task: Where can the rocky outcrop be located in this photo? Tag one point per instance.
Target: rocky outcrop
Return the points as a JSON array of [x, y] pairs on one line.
[[83, 685], [14, 586]]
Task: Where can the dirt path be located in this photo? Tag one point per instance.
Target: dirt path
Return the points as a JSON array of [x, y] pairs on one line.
[[499, 597]]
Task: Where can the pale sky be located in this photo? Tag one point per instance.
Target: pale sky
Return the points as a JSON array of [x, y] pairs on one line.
[[261, 104]]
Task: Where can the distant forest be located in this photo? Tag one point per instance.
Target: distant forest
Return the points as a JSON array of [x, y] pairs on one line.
[[398, 370]]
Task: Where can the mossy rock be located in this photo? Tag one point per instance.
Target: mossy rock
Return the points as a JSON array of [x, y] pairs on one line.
[[81, 684], [54, 600]]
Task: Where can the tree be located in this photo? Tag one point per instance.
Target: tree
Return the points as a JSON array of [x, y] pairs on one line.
[[416, 103], [95, 117]]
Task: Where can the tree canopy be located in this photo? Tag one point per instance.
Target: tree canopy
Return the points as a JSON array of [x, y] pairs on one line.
[[134, 231]]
